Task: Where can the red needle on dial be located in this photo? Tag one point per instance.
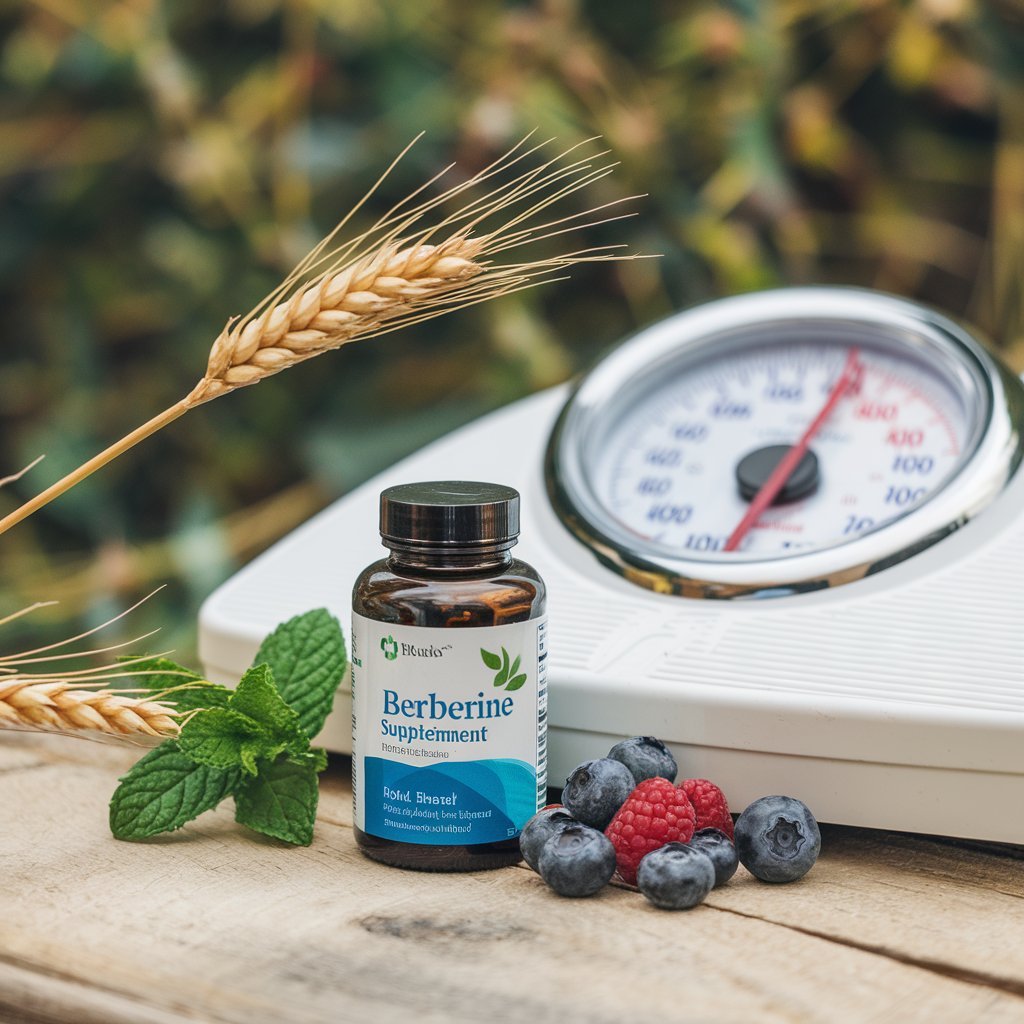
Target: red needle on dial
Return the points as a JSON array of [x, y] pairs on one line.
[[782, 472]]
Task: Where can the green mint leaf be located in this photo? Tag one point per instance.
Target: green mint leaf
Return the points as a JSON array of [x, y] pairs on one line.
[[280, 802], [492, 661], [225, 738], [515, 683], [158, 674], [316, 756], [515, 666], [258, 698], [250, 752], [502, 676], [307, 658], [163, 791]]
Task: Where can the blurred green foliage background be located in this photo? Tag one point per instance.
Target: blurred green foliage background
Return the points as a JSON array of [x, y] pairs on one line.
[[164, 163]]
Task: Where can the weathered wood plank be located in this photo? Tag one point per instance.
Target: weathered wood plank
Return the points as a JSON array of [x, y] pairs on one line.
[[212, 924], [31, 995], [911, 898]]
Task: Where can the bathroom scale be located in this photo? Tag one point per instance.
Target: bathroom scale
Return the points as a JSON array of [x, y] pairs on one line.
[[782, 532]]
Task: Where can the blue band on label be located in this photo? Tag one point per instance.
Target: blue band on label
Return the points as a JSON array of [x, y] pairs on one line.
[[451, 804]]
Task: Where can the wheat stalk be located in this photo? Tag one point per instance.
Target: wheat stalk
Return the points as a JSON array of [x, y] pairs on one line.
[[335, 310], [408, 267], [66, 707], [78, 702]]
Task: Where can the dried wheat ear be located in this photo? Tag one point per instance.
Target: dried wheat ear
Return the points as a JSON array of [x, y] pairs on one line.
[[62, 707], [40, 692], [415, 263]]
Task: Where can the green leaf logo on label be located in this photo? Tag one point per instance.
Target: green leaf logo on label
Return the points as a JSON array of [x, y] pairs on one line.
[[506, 672], [389, 646]]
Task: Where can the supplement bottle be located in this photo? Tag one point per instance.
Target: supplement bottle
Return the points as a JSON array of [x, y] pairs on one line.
[[449, 702]]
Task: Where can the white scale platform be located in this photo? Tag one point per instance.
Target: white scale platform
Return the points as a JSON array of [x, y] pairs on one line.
[[893, 702]]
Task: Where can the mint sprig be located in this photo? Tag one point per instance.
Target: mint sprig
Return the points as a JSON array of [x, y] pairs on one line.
[[280, 801], [307, 657], [164, 790], [222, 738], [252, 743]]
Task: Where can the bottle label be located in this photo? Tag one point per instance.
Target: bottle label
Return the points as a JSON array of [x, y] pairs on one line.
[[449, 730]]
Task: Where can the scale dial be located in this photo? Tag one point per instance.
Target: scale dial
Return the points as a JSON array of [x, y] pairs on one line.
[[898, 427]]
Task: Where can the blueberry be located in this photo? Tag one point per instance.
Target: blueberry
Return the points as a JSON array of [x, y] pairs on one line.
[[718, 848], [777, 839], [646, 758], [539, 829], [676, 876], [577, 861], [596, 790]]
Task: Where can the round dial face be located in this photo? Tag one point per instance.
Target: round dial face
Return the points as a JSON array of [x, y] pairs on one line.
[[682, 467], [780, 442]]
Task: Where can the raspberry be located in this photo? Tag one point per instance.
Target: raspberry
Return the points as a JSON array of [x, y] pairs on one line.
[[709, 803], [655, 813]]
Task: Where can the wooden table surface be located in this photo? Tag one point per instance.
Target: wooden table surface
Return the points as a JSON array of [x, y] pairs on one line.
[[215, 924]]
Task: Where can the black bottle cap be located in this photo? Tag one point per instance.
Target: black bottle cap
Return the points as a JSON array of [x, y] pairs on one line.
[[456, 512]]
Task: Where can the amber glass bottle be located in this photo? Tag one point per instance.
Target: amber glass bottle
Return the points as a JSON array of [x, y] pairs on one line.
[[449, 737]]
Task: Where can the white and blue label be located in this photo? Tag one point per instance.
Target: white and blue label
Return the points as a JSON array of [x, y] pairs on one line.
[[449, 730]]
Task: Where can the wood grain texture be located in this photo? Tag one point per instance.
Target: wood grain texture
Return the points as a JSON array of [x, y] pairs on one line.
[[214, 924]]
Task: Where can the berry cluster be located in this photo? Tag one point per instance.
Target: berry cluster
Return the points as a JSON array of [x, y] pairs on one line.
[[625, 814]]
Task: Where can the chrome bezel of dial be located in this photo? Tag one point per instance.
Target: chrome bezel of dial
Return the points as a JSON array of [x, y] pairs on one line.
[[993, 400]]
